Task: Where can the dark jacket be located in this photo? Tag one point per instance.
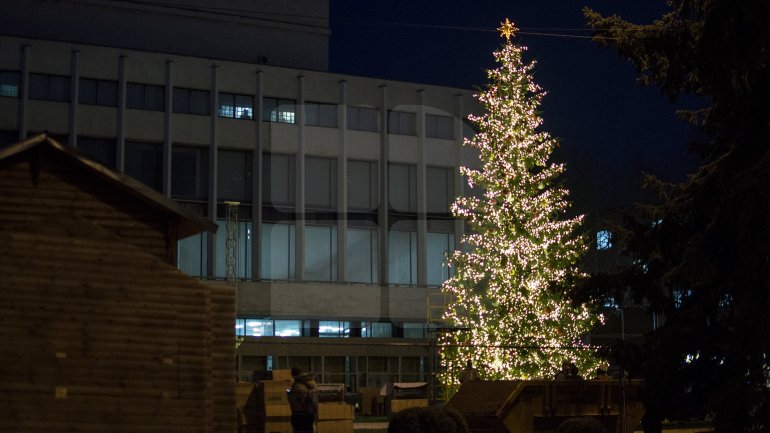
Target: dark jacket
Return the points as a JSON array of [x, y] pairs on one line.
[[302, 395]]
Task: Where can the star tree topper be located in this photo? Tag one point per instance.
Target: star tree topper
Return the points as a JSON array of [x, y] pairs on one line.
[[507, 29]]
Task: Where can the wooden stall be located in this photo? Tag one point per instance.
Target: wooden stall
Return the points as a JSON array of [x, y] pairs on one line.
[[101, 332], [540, 406]]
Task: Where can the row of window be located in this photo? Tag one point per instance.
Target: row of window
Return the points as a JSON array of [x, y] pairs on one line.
[[151, 97], [278, 253], [189, 177], [257, 327]]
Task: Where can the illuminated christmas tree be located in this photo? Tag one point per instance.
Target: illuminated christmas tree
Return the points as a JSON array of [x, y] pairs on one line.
[[514, 320]]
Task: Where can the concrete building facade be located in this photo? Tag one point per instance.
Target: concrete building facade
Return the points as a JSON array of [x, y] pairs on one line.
[[342, 183]]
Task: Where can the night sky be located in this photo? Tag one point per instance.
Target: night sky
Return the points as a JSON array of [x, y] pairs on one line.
[[610, 127]]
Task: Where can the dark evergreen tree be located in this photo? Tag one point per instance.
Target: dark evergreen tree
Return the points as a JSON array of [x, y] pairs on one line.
[[701, 255]]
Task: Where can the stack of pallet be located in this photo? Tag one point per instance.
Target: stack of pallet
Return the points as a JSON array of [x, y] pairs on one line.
[[335, 418], [273, 410], [406, 395]]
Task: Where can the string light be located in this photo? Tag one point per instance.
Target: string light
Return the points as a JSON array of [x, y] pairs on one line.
[[512, 324]]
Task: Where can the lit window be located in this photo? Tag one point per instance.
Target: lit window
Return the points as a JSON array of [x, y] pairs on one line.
[[278, 110], [288, 328], [236, 106], [603, 240], [255, 327], [333, 329], [9, 84]]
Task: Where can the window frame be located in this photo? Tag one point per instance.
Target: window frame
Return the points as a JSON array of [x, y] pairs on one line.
[[246, 105], [398, 125], [323, 118], [50, 94], [271, 111], [105, 92], [432, 129], [10, 80], [145, 90], [354, 117], [190, 96]]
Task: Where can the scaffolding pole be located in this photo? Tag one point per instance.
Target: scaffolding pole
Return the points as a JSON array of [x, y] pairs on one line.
[[231, 243]]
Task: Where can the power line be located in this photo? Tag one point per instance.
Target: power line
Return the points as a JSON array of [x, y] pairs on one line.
[[250, 14]]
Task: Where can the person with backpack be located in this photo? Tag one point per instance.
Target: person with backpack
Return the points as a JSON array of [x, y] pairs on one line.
[[303, 401]]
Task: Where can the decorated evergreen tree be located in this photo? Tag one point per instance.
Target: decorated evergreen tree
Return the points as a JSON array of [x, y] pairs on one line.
[[507, 297]]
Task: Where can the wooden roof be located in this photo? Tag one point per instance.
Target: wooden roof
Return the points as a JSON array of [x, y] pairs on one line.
[[187, 222]]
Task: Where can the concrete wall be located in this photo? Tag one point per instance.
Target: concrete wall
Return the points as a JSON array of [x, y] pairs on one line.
[[294, 33]]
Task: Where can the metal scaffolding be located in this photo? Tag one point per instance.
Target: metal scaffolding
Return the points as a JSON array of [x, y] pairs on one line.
[[231, 243]]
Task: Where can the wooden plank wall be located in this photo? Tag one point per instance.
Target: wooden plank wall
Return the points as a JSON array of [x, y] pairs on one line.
[[64, 188], [96, 334]]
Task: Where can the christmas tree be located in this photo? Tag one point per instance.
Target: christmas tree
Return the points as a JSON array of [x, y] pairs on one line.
[[512, 318]]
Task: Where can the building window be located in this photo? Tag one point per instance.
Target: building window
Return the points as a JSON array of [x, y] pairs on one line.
[[189, 173], [278, 180], [363, 186], [438, 248], [192, 254], [278, 110], [9, 83], [148, 97], [320, 183], [376, 330], [402, 188], [254, 327], [98, 92], [439, 126], [144, 162], [191, 101], [44, 87], [402, 123], [333, 329], [288, 328], [234, 176], [102, 150], [362, 119], [363, 255], [321, 114], [277, 251], [603, 240], [243, 264], [402, 256], [414, 330], [439, 182], [236, 106], [320, 253]]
